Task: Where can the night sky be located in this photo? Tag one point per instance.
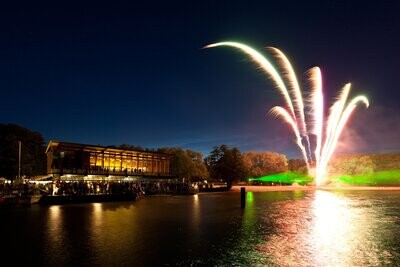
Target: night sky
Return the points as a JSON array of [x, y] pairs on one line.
[[136, 73]]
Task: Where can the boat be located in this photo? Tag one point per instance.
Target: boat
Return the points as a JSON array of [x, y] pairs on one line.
[[15, 200], [8, 200]]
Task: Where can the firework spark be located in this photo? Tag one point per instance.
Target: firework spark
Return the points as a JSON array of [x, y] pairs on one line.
[[271, 71], [295, 117]]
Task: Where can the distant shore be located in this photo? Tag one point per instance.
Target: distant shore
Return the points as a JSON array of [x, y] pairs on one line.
[[262, 188]]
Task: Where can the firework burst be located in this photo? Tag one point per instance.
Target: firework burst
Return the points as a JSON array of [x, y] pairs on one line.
[[294, 112]]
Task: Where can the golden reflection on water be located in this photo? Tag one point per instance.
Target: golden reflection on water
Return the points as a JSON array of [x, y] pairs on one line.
[[196, 217], [112, 230], [55, 223], [196, 212], [97, 219], [334, 232], [316, 228], [56, 240], [328, 229]]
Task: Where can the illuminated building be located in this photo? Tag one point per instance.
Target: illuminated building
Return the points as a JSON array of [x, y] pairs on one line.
[[81, 162]]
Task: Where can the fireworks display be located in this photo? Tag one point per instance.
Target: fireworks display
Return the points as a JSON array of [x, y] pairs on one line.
[[293, 113]]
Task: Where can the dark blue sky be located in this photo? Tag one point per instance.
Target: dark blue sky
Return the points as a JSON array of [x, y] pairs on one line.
[[136, 73]]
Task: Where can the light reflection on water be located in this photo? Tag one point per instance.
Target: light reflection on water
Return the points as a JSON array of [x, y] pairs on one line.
[[323, 230], [334, 229], [337, 229], [298, 228], [54, 227]]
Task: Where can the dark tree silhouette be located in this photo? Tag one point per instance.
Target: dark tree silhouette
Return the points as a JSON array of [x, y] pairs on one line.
[[33, 158], [186, 164], [226, 164]]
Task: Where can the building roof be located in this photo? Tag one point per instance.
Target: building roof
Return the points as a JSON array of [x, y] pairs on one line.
[[77, 146]]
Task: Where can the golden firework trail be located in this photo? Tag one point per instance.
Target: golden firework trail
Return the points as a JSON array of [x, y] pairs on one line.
[[281, 112], [336, 130], [317, 108], [265, 65], [295, 117], [295, 92], [271, 71]]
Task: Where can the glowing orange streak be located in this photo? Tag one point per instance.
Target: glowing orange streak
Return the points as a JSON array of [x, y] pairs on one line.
[[279, 111], [265, 65]]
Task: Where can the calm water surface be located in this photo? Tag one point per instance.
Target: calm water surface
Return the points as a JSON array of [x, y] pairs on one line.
[[313, 228]]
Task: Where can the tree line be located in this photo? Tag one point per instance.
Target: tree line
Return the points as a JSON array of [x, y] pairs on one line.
[[223, 163]]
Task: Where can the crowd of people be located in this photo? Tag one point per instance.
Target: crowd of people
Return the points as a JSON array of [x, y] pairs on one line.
[[120, 187], [60, 187]]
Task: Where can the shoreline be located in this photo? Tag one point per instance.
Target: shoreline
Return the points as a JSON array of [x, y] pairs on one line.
[[262, 188]]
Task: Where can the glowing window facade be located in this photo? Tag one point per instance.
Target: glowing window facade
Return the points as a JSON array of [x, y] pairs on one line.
[[71, 158]]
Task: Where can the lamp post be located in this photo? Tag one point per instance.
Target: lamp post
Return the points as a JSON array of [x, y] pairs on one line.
[[19, 159]]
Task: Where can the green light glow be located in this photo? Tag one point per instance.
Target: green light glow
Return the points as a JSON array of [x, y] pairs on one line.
[[298, 194], [382, 178], [285, 178], [249, 197]]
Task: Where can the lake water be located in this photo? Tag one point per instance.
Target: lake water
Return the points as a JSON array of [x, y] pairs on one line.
[[297, 228]]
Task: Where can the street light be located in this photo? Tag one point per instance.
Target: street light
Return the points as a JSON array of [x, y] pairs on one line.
[[19, 159]]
